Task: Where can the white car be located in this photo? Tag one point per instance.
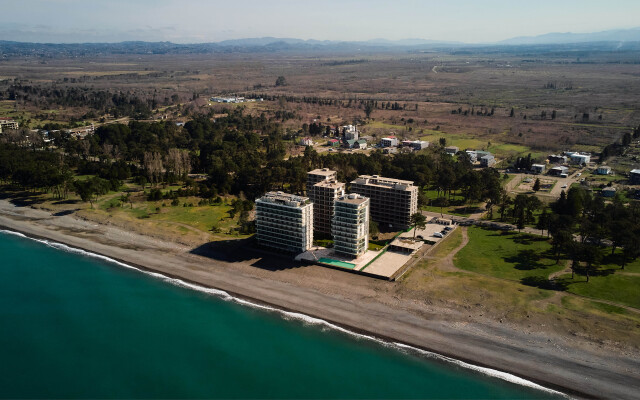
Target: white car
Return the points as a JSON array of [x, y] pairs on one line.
[[578, 174], [563, 186], [438, 235]]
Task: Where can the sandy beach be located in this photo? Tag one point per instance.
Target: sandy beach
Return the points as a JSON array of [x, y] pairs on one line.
[[362, 304]]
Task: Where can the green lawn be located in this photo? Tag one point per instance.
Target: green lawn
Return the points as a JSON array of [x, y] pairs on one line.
[[610, 283], [455, 207], [507, 255]]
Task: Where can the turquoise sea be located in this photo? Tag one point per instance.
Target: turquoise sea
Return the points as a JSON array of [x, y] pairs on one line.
[[76, 326]]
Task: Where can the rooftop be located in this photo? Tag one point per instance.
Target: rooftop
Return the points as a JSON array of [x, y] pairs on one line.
[[285, 198], [380, 181], [322, 171], [329, 184], [353, 198]]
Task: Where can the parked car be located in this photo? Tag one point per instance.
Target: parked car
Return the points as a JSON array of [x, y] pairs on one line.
[[448, 228], [563, 186], [438, 235]]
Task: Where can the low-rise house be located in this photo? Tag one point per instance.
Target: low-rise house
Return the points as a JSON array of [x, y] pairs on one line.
[[488, 161], [451, 150], [306, 141], [559, 171], [603, 170], [8, 123], [579, 158], [556, 159], [473, 155], [417, 144], [360, 144], [390, 150], [609, 192], [537, 168], [634, 177], [389, 141]]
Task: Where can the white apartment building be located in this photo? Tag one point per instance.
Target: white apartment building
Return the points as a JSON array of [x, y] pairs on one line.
[[350, 227], [7, 123], [323, 189], [392, 200], [285, 222]]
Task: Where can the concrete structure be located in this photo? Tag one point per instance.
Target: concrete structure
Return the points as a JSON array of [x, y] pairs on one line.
[[538, 168], [416, 144], [473, 155], [350, 132], [361, 144], [609, 192], [324, 196], [389, 141], [284, 222], [579, 158], [323, 188], [306, 141], [555, 159], [559, 171], [350, 225], [451, 150], [7, 123], [603, 170], [333, 142], [634, 177], [392, 200], [390, 150], [487, 161]]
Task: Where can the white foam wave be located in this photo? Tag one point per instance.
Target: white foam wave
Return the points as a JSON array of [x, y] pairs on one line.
[[306, 319]]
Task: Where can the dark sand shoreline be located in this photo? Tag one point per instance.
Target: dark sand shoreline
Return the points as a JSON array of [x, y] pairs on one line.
[[614, 376]]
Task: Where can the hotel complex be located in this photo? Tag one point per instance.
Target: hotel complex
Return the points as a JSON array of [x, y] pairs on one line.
[[284, 221], [393, 201], [351, 225], [288, 222]]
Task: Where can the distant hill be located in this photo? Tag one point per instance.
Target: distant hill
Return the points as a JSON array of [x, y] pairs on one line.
[[617, 35]]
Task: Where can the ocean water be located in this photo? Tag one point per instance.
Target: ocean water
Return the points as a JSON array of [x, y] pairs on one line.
[[76, 326]]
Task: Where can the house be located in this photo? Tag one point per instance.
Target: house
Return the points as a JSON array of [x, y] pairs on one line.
[[7, 123], [603, 170], [350, 144], [537, 168], [360, 144], [418, 144], [390, 150], [306, 141], [451, 150], [333, 142], [482, 153], [473, 155], [350, 132], [609, 192], [389, 141], [634, 177], [579, 158], [555, 159], [559, 171], [488, 161]]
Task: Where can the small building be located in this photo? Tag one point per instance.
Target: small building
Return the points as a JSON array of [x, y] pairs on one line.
[[603, 170], [418, 144], [473, 155], [8, 123], [482, 153], [350, 144], [350, 132], [389, 141], [609, 192], [580, 159], [556, 159], [451, 150], [537, 168], [390, 150], [333, 142], [488, 161], [306, 141], [559, 171], [361, 144], [634, 177]]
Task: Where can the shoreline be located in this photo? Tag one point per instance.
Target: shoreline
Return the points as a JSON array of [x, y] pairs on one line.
[[394, 326]]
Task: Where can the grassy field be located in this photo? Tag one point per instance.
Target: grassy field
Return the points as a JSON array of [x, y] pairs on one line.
[[507, 255], [610, 283], [456, 204]]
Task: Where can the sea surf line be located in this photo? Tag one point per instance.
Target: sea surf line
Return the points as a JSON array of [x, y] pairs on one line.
[[306, 319]]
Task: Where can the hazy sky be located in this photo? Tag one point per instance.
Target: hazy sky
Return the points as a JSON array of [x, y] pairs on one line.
[[190, 21]]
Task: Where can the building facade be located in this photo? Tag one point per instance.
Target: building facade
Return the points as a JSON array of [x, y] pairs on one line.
[[392, 200], [350, 227], [7, 123], [323, 196], [284, 222], [323, 189]]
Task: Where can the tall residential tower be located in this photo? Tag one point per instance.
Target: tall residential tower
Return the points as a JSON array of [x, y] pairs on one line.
[[284, 221], [392, 200]]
